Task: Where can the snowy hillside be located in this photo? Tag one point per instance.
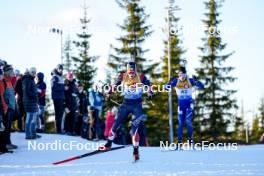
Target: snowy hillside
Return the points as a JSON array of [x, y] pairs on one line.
[[247, 160]]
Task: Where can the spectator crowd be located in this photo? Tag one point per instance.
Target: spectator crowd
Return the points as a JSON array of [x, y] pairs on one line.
[[78, 112]]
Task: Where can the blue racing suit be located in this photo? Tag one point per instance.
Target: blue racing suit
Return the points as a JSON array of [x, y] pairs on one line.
[[132, 104], [184, 90]]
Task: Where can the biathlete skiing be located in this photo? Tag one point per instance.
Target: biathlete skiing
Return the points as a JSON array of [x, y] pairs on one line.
[[184, 90], [132, 83]]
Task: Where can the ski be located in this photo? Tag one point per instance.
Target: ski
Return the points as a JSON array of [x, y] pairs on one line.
[[86, 155]]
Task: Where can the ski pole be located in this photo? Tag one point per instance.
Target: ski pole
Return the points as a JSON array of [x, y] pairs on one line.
[[115, 102]]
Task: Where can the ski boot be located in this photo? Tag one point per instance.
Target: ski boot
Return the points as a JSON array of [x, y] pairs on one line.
[[5, 150], [135, 154], [107, 146]]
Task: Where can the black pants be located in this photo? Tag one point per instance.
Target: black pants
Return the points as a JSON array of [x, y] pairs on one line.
[[59, 110], [8, 119], [2, 142], [85, 130], [78, 127], [20, 115], [70, 122]]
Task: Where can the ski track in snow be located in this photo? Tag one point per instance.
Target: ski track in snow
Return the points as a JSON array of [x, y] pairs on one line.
[[246, 161]]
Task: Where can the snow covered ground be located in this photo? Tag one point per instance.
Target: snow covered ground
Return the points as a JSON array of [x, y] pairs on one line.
[[247, 160]]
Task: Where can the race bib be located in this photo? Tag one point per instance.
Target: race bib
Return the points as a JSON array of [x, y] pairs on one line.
[[184, 93], [131, 92]]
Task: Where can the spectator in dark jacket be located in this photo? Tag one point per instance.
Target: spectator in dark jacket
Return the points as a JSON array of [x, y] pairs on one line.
[[41, 87], [30, 101], [83, 100], [10, 99], [71, 107], [19, 102], [2, 127], [83, 109], [58, 96]]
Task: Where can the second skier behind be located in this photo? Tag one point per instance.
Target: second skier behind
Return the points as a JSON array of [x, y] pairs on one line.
[[184, 89]]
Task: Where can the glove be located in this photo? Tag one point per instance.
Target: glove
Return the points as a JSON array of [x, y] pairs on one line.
[[194, 78]]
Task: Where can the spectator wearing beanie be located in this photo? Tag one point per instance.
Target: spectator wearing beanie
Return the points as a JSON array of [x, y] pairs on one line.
[[58, 96], [41, 87], [3, 111], [96, 100], [19, 101], [30, 101], [71, 98], [82, 108], [9, 96]]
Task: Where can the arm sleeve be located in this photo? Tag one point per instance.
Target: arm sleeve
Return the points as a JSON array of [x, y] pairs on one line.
[[147, 82], [171, 83], [54, 82], [29, 87], [1, 110], [16, 87], [197, 83], [43, 90], [85, 105], [119, 79], [91, 97]]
